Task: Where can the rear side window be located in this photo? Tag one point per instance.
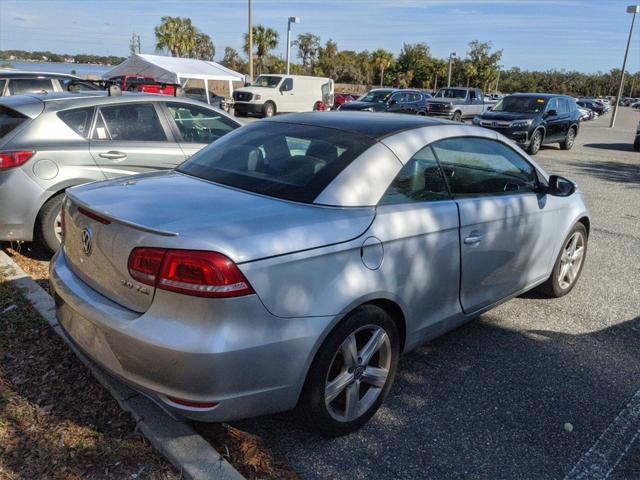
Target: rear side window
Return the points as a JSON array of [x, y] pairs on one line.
[[20, 86], [290, 161], [129, 122], [420, 180], [10, 120], [78, 119], [199, 125], [478, 167]]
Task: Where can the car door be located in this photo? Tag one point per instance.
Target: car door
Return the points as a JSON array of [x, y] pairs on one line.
[[287, 101], [397, 102], [506, 227], [196, 126], [416, 228], [554, 118], [130, 138]]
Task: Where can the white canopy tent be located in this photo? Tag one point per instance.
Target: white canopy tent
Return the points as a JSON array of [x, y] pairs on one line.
[[175, 70]]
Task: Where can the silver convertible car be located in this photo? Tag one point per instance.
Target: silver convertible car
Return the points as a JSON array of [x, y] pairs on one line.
[[293, 260]]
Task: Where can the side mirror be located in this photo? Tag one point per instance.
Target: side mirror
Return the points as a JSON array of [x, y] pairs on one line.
[[392, 102], [489, 108], [560, 186], [552, 113]]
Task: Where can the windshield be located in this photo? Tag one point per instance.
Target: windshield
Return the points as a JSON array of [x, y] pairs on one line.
[[451, 93], [266, 81], [283, 160], [521, 105], [376, 96]]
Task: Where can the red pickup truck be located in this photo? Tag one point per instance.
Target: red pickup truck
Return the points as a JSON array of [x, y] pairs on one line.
[[138, 83]]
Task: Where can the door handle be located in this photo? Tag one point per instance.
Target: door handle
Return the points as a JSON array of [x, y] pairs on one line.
[[473, 239], [113, 155]]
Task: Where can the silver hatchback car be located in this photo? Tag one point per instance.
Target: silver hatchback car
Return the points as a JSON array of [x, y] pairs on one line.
[[51, 142], [293, 260]]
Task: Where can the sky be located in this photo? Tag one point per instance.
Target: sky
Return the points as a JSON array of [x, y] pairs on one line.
[[583, 35]]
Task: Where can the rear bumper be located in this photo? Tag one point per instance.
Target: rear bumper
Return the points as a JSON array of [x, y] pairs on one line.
[[441, 114], [20, 202], [232, 352]]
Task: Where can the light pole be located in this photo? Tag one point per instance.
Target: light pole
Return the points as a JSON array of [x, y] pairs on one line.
[[630, 9], [250, 45], [291, 20], [451, 56]]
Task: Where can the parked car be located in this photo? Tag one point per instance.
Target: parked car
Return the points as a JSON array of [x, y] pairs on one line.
[[457, 103], [390, 100], [532, 120], [271, 94], [23, 83], [597, 107], [636, 143], [327, 246], [342, 98], [49, 143], [586, 114]]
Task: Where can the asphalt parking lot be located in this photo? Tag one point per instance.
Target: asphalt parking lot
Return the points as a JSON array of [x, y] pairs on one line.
[[490, 400]]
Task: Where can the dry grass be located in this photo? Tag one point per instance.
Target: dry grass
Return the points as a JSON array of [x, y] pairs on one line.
[[56, 421], [246, 452]]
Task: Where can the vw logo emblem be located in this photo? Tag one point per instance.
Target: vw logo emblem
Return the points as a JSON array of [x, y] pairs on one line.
[[86, 241]]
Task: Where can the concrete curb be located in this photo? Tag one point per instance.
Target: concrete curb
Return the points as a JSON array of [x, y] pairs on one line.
[[191, 454]]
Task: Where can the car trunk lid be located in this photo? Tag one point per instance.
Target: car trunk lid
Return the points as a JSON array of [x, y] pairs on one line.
[[174, 210]]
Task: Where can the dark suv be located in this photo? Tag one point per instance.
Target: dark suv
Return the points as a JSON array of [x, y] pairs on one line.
[[533, 119], [390, 100]]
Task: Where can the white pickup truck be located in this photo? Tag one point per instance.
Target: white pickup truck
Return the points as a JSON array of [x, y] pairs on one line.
[[458, 103], [271, 94]]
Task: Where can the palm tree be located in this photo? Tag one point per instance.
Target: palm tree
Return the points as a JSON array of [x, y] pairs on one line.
[[265, 39], [204, 48], [382, 59], [177, 35]]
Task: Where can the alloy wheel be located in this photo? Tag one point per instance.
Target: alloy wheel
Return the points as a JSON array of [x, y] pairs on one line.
[[570, 138], [571, 260], [358, 373], [57, 226]]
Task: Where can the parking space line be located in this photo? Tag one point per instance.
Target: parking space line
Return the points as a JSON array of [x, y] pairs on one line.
[[612, 445]]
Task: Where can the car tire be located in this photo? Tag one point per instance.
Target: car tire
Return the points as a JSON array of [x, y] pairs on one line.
[[269, 109], [557, 285], [238, 114], [636, 145], [535, 143], [49, 226], [457, 117], [342, 363], [569, 140]]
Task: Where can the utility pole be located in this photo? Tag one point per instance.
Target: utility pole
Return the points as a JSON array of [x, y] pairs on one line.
[[630, 9], [451, 55], [497, 82], [250, 45], [435, 84], [139, 46]]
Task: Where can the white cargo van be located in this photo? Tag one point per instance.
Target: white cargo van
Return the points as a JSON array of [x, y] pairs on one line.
[[271, 94]]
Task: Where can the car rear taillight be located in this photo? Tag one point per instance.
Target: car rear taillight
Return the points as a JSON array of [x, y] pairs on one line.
[[14, 159], [145, 264], [191, 272]]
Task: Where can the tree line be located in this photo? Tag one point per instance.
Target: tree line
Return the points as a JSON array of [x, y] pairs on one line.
[[47, 56], [413, 67]]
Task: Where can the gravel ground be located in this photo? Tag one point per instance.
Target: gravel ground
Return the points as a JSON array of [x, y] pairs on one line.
[[490, 400]]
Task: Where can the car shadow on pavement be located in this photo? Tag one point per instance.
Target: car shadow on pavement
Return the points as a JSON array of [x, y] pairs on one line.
[[483, 401], [618, 172], [621, 147]]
